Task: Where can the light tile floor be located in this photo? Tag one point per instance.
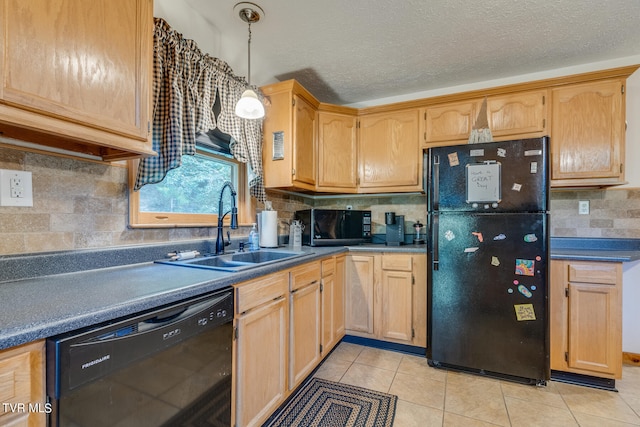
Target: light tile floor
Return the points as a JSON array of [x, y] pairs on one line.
[[434, 397]]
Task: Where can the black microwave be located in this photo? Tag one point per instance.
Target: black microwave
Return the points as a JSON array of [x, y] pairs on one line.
[[334, 227]]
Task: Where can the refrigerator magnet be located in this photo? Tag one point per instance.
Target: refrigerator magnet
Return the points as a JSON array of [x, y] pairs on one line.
[[524, 312], [453, 159], [516, 187], [449, 235], [478, 235], [530, 238], [495, 261], [524, 291], [499, 237], [476, 153], [502, 152], [525, 267], [470, 250]]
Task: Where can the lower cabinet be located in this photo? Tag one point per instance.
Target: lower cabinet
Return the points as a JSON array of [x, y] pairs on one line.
[[261, 348], [304, 323], [332, 292], [585, 304], [22, 382], [386, 297], [280, 323]]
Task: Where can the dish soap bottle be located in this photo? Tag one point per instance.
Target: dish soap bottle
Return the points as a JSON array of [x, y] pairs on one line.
[[254, 244]]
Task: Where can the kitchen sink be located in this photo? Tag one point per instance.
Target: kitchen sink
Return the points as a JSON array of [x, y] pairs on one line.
[[238, 261]]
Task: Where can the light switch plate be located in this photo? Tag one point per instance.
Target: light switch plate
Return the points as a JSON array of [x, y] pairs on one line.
[[15, 188]]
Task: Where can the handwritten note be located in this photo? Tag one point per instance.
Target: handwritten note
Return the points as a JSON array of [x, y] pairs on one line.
[[483, 182]]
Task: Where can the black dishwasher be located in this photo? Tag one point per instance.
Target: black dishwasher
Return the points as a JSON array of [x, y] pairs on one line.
[[166, 367]]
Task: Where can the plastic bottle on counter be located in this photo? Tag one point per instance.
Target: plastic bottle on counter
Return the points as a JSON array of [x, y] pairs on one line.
[[254, 244]]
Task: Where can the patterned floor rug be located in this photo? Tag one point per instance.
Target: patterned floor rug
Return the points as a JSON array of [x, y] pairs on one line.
[[325, 403]]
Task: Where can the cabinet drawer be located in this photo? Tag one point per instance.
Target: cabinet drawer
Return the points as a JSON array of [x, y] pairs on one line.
[[305, 274], [253, 293], [328, 266], [593, 272], [397, 262]]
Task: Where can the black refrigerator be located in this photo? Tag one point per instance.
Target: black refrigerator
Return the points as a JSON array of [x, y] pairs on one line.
[[487, 211]]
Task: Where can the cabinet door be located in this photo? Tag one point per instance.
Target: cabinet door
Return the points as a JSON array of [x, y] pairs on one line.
[[304, 333], [304, 141], [260, 372], [420, 300], [389, 153], [338, 298], [22, 382], [595, 329], [74, 63], [450, 123], [359, 293], [327, 288], [517, 115], [337, 168], [397, 308], [558, 315], [587, 132]]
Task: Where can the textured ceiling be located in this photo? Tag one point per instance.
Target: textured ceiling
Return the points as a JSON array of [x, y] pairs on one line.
[[350, 51]]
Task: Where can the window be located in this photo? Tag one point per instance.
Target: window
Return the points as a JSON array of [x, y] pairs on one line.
[[188, 196]]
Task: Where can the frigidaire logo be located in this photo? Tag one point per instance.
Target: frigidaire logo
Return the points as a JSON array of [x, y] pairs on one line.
[[96, 361]]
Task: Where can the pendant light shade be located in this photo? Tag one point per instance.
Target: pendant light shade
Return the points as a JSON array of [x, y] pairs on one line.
[[249, 106]]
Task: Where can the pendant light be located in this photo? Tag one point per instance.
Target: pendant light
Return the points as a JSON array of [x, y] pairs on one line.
[[249, 106]]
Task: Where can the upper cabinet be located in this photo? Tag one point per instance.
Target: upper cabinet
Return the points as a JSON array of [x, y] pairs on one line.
[[389, 153], [588, 134], [77, 75], [337, 160], [583, 114], [518, 115], [449, 123], [289, 137], [510, 116]]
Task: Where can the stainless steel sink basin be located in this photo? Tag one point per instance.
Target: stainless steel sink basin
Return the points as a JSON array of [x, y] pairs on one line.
[[238, 261]]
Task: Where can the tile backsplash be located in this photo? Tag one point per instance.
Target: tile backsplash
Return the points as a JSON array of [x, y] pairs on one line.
[[80, 204]]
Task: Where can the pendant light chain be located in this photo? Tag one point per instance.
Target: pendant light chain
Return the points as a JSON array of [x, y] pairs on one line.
[[249, 55]]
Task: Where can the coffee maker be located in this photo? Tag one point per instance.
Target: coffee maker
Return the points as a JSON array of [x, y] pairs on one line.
[[395, 229]]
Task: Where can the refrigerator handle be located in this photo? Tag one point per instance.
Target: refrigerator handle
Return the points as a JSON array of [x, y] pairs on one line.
[[435, 200], [434, 242]]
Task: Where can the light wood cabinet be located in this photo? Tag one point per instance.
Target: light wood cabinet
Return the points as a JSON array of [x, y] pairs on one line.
[[77, 75], [359, 285], [449, 123], [386, 297], [588, 134], [289, 137], [389, 152], [510, 116], [332, 291], [304, 325], [22, 383], [586, 317], [518, 115], [261, 348], [337, 160]]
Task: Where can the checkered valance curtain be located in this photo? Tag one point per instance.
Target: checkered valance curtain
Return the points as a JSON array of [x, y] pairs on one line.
[[186, 83]]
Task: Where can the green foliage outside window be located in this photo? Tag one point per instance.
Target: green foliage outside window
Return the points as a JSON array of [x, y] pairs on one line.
[[194, 187]]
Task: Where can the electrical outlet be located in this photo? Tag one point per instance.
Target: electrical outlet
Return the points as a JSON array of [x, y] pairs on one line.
[[583, 207], [15, 188]]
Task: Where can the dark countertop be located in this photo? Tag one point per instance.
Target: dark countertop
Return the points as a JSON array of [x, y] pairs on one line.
[[47, 294], [595, 249], [34, 308]]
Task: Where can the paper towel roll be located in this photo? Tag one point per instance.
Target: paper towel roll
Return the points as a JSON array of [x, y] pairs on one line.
[[269, 229]]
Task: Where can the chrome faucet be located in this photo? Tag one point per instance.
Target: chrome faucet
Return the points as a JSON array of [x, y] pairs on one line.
[[220, 243]]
